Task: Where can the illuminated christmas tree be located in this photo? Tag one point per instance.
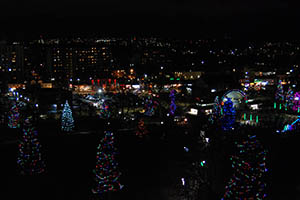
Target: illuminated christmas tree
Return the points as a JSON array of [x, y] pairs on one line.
[[104, 111], [14, 117], [290, 98], [29, 157], [216, 110], [279, 95], [106, 172], [249, 165], [149, 107], [67, 121], [228, 118], [142, 131]]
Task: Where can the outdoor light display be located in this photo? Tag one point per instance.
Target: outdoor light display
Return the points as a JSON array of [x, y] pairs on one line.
[[106, 172], [142, 131], [104, 111], [296, 103], [216, 110], [292, 126], [150, 106], [29, 159], [249, 165], [67, 121], [14, 117], [173, 105], [279, 95], [290, 98], [228, 118]]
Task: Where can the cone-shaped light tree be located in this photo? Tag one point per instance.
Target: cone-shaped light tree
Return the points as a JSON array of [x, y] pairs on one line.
[[106, 173], [67, 121], [29, 159], [216, 110]]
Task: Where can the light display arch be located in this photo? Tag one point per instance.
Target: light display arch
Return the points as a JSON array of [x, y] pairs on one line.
[[238, 98]]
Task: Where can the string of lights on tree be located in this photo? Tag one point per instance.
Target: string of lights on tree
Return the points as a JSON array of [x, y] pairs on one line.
[[216, 110], [104, 110], [172, 105], [141, 130], [290, 97], [29, 159], [249, 177], [106, 173], [279, 95], [150, 106], [67, 121], [14, 117], [229, 114]]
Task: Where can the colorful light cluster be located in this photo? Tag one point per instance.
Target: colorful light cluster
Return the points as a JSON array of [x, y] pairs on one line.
[[142, 131], [228, 118], [249, 177], [216, 110], [173, 105], [106, 172], [150, 106], [29, 157], [292, 126], [296, 102], [104, 111], [279, 95], [290, 97], [67, 121], [14, 117]]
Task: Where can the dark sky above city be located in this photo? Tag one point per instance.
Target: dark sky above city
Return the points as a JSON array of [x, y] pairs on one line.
[[181, 17]]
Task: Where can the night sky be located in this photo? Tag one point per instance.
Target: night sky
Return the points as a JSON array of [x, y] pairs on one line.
[[268, 18]]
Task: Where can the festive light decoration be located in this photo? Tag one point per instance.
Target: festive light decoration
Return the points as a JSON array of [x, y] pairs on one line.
[[149, 107], [216, 110], [106, 172], [67, 121], [292, 126], [104, 111], [296, 102], [279, 95], [14, 117], [142, 131], [173, 105], [228, 118], [290, 98], [29, 157], [249, 165]]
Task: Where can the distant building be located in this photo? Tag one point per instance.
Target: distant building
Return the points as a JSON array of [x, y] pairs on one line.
[[80, 63], [12, 63]]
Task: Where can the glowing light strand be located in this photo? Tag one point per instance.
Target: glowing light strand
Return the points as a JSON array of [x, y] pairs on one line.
[[173, 105]]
